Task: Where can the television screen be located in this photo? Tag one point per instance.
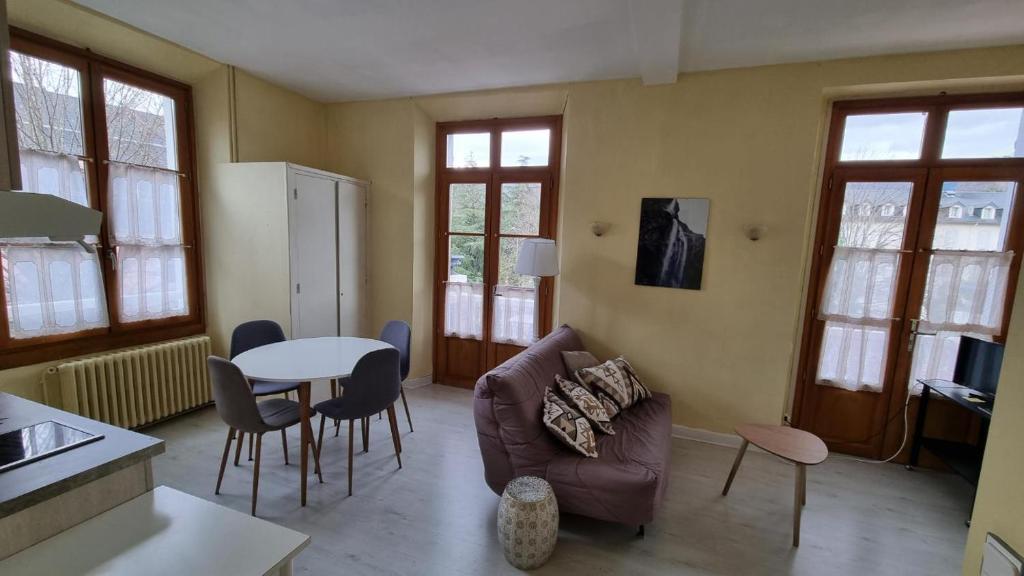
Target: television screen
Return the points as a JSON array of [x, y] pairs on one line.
[[977, 364]]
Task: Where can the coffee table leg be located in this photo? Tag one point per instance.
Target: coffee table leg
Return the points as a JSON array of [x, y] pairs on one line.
[[798, 501], [304, 426], [735, 466]]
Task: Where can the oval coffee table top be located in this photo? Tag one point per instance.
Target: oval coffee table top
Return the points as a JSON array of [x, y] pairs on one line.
[[785, 442]]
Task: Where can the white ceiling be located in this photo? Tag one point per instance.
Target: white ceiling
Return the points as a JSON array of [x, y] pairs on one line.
[[334, 50]]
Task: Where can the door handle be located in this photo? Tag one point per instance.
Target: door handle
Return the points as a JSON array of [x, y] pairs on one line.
[[914, 333]]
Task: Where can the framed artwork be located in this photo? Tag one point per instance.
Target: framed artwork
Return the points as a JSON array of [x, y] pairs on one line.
[[670, 250]]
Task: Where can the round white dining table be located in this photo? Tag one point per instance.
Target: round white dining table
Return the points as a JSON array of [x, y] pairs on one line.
[[303, 360]]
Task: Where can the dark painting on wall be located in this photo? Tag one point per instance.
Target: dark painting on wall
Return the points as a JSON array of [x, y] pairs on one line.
[[670, 251]]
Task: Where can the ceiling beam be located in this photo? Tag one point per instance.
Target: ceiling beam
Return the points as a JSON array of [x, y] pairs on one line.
[[656, 26]]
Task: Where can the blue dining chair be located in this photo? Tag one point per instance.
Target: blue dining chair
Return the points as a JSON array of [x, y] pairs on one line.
[[375, 385]]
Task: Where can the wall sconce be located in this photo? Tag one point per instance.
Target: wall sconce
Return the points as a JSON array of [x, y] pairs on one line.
[[754, 233], [599, 228]]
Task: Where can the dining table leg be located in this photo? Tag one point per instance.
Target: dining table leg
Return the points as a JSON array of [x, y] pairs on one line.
[[304, 434]]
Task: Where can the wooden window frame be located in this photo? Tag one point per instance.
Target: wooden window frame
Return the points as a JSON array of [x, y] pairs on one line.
[[93, 69], [493, 177], [938, 109]]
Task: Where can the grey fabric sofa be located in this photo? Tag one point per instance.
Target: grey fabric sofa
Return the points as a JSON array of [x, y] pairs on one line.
[[625, 483]]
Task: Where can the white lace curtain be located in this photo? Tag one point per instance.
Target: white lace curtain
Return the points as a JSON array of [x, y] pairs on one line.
[[464, 309], [145, 227], [857, 308], [965, 292], [52, 288], [514, 314]]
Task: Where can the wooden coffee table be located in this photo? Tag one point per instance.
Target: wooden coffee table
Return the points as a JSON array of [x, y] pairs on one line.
[[797, 446]]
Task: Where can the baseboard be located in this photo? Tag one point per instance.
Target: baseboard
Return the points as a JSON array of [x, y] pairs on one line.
[[706, 436], [709, 437], [420, 382]]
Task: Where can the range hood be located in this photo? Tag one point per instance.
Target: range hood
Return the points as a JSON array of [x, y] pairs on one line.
[[31, 215]]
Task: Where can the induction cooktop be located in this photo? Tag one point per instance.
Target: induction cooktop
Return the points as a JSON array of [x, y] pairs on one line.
[[31, 443]]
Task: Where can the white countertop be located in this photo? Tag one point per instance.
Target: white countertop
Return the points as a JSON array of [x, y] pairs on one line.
[[306, 359], [162, 532]]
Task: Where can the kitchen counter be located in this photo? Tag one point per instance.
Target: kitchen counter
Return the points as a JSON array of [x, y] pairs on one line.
[[42, 498]]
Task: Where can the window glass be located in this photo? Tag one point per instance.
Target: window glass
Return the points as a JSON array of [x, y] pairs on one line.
[[880, 217], [467, 204], [984, 133], [140, 126], [973, 216], [525, 147], [469, 150], [520, 208], [48, 105], [883, 136]]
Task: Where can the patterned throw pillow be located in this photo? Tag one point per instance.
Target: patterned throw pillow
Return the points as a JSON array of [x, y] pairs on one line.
[[581, 399], [610, 379], [568, 425], [609, 405], [637, 389]]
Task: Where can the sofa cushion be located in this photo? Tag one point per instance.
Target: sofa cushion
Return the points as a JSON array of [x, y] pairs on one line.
[[610, 379], [586, 403], [576, 359], [627, 481], [507, 410]]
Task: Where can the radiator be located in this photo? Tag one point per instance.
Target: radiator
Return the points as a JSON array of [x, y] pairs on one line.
[[135, 387]]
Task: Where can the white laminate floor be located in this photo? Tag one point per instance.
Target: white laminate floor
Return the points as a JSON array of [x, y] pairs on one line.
[[436, 515]]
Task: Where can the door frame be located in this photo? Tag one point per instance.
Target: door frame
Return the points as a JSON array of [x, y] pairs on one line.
[[829, 205], [491, 177]]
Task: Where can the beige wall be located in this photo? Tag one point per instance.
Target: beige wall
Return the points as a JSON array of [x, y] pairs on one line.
[[999, 505], [276, 124]]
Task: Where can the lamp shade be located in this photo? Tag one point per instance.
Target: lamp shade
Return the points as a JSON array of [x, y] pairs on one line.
[[537, 257]]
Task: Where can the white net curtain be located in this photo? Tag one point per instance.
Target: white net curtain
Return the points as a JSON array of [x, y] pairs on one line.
[[464, 310], [145, 228], [513, 313], [52, 288], [857, 308], [964, 294]]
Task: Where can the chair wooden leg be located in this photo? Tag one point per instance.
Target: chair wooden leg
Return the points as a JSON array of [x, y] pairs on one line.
[[316, 453], [364, 425], [351, 435], [334, 388], [256, 472], [337, 428], [224, 459], [406, 406], [393, 420], [250, 447], [284, 445], [320, 437], [238, 446], [801, 479], [735, 467]]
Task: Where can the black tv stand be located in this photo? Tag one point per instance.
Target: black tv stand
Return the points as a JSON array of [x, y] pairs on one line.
[[962, 458]]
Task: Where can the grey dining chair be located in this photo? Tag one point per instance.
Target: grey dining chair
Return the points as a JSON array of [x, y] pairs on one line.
[[238, 408], [398, 334], [375, 385], [254, 334]]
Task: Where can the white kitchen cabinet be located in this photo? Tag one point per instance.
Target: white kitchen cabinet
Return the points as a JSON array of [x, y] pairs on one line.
[[285, 243]]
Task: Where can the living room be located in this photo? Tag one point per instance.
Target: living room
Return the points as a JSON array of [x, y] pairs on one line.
[[730, 105]]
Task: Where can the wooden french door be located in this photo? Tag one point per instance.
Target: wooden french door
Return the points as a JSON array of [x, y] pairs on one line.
[[496, 186], [919, 242]]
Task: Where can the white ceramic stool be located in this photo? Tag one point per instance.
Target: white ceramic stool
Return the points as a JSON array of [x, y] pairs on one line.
[[528, 522]]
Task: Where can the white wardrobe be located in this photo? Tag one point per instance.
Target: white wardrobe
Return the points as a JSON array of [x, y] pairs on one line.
[[286, 243]]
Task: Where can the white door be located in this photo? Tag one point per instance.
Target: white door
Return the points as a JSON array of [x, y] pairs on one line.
[[314, 256], [351, 256]]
